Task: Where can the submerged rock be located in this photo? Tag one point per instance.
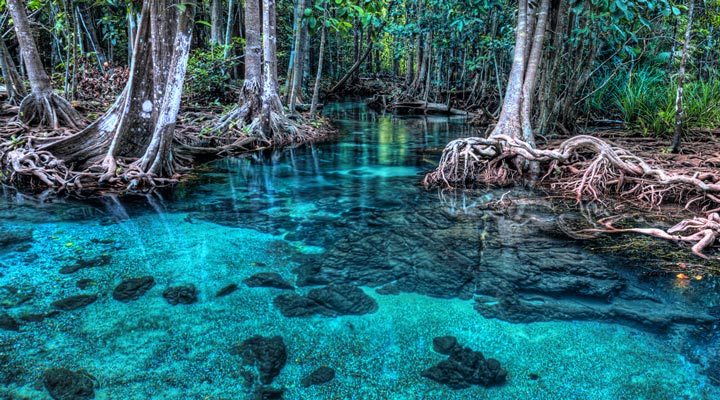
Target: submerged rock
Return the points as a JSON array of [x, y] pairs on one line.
[[8, 323], [82, 263], [64, 384], [226, 290], [268, 393], [74, 302], [268, 279], [464, 368], [84, 283], [444, 344], [331, 301], [13, 296], [13, 236], [267, 354], [133, 288], [320, 376], [38, 317], [185, 294]]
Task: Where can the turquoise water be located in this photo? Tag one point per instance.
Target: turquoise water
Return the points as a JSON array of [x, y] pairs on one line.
[[565, 322]]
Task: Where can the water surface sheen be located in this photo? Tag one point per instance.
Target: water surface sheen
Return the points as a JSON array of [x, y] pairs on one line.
[[566, 323]]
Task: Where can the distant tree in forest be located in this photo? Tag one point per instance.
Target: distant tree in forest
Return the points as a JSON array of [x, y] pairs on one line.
[[42, 107]]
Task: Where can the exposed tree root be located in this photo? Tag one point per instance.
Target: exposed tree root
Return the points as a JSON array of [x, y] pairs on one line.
[[703, 232], [49, 110], [589, 168]]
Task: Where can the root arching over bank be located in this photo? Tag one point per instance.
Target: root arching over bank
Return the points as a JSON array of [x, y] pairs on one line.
[[588, 168]]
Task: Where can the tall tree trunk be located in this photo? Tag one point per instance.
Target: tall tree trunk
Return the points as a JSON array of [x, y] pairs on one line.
[[132, 141], [316, 89], [295, 82], [249, 104], [679, 111], [216, 22], [271, 104], [13, 83], [42, 107]]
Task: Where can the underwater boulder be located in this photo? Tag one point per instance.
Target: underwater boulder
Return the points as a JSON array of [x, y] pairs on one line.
[[320, 376], [64, 384], [466, 367], [268, 279], [8, 323], [330, 301], [185, 294], [74, 302], [445, 344], [133, 288], [268, 393], [267, 354]]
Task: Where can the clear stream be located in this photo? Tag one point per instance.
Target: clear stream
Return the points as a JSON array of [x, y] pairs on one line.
[[564, 321]]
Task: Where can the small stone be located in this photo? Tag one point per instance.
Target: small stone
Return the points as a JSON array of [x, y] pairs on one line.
[[8, 323], [74, 302], [133, 288], [444, 344], [185, 294], [534, 376], [84, 283], [63, 384], [268, 279], [99, 261], [13, 296], [318, 377], [226, 290]]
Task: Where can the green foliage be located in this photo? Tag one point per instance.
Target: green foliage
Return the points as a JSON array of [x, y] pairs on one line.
[[208, 75], [645, 101]]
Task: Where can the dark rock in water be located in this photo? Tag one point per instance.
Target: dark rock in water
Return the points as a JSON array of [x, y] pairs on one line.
[[294, 305], [268, 279], [444, 344], [267, 354], [84, 283], [8, 323], [331, 301], [465, 368], [185, 294], [99, 261], [11, 236], [389, 289], [318, 377], [74, 302], [38, 317], [268, 393], [133, 288], [63, 384], [13, 296], [226, 290]]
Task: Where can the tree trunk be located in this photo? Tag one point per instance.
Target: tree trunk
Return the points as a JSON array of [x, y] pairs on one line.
[[13, 83], [294, 84], [42, 107], [249, 104], [271, 104], [316, 89], [679, 111], [216, 22], [132, 141]]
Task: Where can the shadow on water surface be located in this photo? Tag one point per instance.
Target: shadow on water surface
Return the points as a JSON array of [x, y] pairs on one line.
[[349, 213]]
